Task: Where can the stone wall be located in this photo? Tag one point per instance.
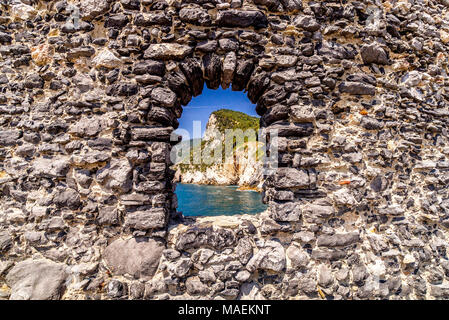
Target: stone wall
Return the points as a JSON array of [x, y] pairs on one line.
[[359, 206]]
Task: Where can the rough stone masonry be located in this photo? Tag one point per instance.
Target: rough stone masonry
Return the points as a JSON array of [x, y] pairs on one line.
[[91, 90]]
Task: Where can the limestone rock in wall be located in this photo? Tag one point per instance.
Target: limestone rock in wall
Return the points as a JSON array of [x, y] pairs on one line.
[[358, 201], [138, 257], [235, 18], [116, 175]]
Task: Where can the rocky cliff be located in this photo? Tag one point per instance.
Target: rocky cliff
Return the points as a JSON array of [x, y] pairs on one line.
[[358, 91], [245, 167]]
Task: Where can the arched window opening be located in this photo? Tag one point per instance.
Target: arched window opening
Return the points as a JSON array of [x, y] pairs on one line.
[[219, 162]]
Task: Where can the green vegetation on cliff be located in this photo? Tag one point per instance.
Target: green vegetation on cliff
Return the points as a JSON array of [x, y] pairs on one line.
[[229, 119]]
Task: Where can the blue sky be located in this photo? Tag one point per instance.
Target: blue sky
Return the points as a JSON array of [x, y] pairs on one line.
[[200, 108]]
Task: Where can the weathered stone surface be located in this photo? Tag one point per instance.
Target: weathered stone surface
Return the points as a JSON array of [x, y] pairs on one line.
[[242, 276], [51, 167], [138, 257], [357, 88], [371, 124], [285, 212], [307, 23], [5, 38], [205, 237], [357, 92], [207, 46], [164, 97], [165, 51], [302, 113], [291, 178], [194, 75], [271, 4], [42, 54], [440, 291], [250, 291], [5, 241], [152, 134], [242, 74], [152, 67], [9, 137], [271, 256], [304, 236], [145, 220], [393, 210], [229, 64], [22, 11], [80, 52], [194, 286], [244, 250], [180, 268], [325, 278], [317, 212], [177, 83], [237, 18], [107, 215], [228, 44], [344, 197], [295, 129], [86, 127], [338, 239], [116, 20], [297, 257], [36, 280], [152, 18], [328, 255], [373, 53], [106, 59], [212, 70], [67, 198], [116, 289], [116, 175]]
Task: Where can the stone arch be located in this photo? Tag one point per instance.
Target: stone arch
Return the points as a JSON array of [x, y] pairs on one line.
[[208, 69], [218, 63]]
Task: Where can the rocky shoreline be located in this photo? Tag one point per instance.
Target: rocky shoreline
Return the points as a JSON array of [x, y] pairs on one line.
[[358, 92]]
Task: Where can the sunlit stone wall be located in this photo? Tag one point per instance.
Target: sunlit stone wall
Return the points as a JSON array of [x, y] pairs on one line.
[[90, 92]]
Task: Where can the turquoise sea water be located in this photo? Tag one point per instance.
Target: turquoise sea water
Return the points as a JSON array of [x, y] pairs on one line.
[[204, 200]]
